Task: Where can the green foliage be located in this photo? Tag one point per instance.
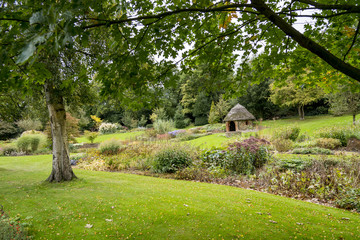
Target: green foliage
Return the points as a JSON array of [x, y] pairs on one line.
[[218, 111], [213, 114], [163, 126], [291, 133], [13, 228], [344, 101], [282, 145], [329, 143], [127, 119], [247, 156], [350, 200], [29, 124], [158, 114], [317, 150], [292, 95], [91, 136], [23, 143], [201, 109], [8, 151], [179, 118], [28, 140], [171, 160], [8, 130], [142, 122], [338, 132], [110, 147]]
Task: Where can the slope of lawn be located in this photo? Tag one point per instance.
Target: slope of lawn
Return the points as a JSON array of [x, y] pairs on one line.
[[310, 125], [120, 136], [120, 206]]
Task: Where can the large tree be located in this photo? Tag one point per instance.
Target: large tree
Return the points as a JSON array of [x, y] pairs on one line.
[[49, 44]]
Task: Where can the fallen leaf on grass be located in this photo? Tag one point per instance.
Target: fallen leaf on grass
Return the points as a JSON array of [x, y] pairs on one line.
[[88, 226]]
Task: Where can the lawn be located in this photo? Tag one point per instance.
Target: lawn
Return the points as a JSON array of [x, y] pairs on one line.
[[121, 206], [309, 125]]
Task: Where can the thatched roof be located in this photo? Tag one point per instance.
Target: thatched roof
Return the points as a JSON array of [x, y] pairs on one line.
[[238, 113]]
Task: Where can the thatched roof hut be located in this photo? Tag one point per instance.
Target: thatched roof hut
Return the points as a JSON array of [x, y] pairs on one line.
[[239, 118], [239, 113]]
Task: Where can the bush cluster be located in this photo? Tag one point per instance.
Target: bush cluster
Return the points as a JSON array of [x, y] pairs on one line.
[[28, 143], [163, 126], [315, 150], [290, 133], [343, 134], [325, 179], [171, 160], [329, 143], [108, 128], [282, 145], [111, 147]]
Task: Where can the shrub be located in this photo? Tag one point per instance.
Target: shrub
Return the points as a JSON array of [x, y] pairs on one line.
[[248, 155], [349, 200], [215, 157], [170, 160], [30, 124], [201, 120], [316, 150], [23, 143], [341, 133], [12, 228], [282, 145], [296, 164], [9, 151], [8, 130], [151, 133], [176, 133], [107, 128], [179, 118], [163, 126], [91, 136], [329, 143], [290, 133], [34, 143], [110, 147]]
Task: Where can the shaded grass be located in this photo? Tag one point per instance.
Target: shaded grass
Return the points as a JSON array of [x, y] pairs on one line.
[[152, 208]]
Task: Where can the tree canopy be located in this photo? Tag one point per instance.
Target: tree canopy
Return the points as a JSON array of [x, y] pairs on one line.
[[58, 47]]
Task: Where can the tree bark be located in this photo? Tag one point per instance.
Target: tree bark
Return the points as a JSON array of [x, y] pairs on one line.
[[354, 119], [61, 167], [301, 112]]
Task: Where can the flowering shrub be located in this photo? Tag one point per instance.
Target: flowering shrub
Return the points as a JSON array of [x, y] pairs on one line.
[[12, 228], [175, 133], [248, 155], [107, 128]]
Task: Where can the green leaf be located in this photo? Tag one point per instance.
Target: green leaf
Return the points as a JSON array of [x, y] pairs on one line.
[[26, 53]]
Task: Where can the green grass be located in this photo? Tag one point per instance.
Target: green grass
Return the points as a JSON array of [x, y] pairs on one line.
[[213, 140], [309, 125], [120, 136], [153, 208]]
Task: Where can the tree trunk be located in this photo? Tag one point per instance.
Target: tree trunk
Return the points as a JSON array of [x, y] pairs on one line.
[[61, 167], [354, 119], [302, 113]]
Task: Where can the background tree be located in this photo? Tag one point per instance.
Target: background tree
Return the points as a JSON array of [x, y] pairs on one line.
[[292, 95], [344, 101]]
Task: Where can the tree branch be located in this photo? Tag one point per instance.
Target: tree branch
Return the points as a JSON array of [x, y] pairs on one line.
[[331, 6], [306, 42], [230, 7], [13, 19], [353, 41]]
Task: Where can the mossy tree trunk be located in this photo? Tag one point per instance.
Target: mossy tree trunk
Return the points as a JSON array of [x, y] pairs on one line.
[[61, 167]]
